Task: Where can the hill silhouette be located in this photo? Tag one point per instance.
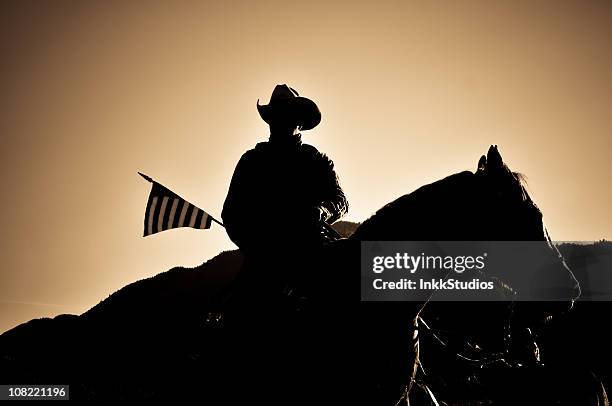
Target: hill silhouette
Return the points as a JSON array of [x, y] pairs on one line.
[[591, 265], [145, 328]]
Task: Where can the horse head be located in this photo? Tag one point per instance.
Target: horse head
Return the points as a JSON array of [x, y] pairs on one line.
[[490, 204]]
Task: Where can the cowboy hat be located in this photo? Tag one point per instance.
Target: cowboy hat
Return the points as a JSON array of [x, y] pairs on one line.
[[286, 102]]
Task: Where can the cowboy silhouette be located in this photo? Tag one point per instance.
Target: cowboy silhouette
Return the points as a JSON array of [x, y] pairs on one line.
[[283, 190]]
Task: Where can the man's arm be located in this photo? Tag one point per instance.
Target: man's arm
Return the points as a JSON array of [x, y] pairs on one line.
[[236, 208], [333, 204]]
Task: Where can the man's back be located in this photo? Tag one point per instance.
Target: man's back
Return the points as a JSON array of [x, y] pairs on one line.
[[276, 188]]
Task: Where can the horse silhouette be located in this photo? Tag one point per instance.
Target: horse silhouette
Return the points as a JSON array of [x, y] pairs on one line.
[[490, 204]]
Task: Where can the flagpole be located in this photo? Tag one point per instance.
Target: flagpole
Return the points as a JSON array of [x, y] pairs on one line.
[[328, 227], [216, 221], [148, 179]]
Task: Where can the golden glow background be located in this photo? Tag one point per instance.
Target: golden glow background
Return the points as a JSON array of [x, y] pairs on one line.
[[91, 92]]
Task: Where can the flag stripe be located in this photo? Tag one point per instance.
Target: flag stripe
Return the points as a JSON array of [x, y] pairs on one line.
[[190, 210], [162, 213], [175, 203], [181, 222], [194, 215], [151, 212], [156, 214], [199, 219], [204, 221], [146, 217], [167, 214]]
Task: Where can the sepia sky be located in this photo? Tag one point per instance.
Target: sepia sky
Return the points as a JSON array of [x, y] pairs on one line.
[[93, 91]]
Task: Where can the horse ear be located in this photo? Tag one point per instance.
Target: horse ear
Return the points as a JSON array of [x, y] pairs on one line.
[[494, 159], [482, 164]]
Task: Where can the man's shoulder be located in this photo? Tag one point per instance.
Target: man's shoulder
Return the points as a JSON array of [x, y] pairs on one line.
[[258, 149], [260, 146], [315, 153], [310, 149]]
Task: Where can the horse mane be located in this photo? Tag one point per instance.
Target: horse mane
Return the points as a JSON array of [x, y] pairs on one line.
[[519, 181], [433, 198]]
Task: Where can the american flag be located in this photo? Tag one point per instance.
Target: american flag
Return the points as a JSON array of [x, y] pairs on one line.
[[167, 210]]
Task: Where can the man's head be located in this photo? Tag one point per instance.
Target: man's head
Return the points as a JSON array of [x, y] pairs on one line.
[[287, 111]]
